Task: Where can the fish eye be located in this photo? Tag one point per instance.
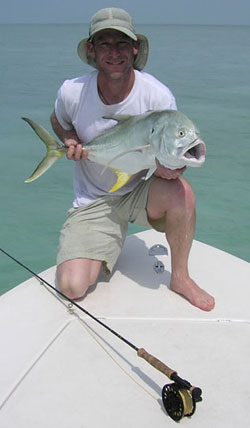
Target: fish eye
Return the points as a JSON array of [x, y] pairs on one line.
[[181, 133]]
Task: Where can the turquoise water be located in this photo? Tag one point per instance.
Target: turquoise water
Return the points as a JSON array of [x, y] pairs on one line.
[[207, 68]]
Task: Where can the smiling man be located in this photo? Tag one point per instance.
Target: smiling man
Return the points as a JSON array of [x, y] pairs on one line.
[[96, 227], [114, 54]]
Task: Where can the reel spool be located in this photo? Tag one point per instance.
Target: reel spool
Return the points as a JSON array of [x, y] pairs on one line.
[[178, 401]]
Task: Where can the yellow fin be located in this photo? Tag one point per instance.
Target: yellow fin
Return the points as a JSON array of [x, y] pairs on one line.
[[122, 179]]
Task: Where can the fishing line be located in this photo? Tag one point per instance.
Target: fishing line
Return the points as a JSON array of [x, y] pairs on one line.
[[94, 335], [179, 398]]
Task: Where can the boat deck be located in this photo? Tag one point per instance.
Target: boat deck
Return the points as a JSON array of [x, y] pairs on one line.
[[58, 367]]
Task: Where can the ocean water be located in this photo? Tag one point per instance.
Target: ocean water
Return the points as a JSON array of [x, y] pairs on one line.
[[206, 67]]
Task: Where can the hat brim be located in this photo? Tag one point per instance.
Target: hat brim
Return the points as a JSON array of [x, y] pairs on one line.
[[139, 61], [124, 30]]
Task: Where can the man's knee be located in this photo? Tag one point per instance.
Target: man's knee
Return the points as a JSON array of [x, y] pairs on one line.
[[179, 194], [72, 286], [74, 278], [170, 196]]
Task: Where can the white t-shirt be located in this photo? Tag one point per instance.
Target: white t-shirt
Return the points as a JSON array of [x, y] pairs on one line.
[[78, 105]]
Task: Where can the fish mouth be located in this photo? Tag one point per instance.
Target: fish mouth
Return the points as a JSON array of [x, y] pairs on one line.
[[195, 153]]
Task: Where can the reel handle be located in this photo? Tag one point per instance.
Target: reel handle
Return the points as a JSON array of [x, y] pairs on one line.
[[157, 364]]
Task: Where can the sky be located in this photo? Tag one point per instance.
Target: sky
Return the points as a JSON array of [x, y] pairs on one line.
[[224, 12]]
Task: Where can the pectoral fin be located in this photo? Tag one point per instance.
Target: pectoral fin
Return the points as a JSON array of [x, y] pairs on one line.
[[150, 172], [139, 149], [122, 179]]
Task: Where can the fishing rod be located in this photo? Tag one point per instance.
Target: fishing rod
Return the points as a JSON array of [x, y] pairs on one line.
[[179, 398]]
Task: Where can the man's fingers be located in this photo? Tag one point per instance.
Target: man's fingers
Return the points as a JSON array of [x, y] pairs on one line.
[[76, 152]]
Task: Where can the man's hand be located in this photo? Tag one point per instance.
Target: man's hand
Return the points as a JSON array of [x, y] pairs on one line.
[[75, 150], [166, 173], [70, 139]]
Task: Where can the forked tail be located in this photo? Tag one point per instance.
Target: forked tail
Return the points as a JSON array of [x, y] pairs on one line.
[[55, 150]]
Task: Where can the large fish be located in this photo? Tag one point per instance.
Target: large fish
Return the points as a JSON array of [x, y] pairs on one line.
[[133, 144]]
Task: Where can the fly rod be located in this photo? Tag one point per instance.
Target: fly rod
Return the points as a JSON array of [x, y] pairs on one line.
[[179, 398]]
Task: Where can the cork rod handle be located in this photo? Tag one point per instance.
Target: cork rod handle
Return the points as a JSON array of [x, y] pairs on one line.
[[157, 364]]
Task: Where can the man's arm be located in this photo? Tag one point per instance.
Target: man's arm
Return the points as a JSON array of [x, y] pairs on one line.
[[70, 139]]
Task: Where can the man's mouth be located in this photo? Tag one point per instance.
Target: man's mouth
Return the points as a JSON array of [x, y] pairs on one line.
[[115, 63]]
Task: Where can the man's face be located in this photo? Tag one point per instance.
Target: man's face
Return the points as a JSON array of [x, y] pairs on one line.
[[113, 52]]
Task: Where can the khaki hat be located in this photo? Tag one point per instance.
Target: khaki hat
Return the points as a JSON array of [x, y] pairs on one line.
[[116, 19]]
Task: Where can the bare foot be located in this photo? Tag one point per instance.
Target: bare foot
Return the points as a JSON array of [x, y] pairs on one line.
[[192, 292]]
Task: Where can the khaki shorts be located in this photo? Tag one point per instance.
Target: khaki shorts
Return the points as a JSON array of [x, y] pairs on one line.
[[98, 231]]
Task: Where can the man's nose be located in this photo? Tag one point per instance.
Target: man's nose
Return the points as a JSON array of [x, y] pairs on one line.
[[114, 49]]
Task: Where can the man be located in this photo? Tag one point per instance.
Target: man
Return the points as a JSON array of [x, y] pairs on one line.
[[96, 227]]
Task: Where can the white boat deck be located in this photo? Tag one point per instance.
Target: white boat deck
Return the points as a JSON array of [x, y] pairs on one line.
[[59, 368]]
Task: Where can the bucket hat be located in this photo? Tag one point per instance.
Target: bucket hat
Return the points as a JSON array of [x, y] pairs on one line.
[[116, 19]]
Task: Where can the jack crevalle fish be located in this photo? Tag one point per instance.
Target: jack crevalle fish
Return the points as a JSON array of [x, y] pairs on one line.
[[133, 144]]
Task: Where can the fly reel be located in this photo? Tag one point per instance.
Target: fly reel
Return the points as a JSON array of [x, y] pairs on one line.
[[179, 398], [179, 401]]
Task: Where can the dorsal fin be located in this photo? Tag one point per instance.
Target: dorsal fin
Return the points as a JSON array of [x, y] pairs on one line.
[[118, 117]]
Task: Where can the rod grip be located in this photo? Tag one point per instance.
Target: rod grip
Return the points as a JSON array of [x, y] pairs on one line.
[[157, 364]]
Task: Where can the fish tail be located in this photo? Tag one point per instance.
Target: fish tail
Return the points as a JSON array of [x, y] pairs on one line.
[[54, 150]]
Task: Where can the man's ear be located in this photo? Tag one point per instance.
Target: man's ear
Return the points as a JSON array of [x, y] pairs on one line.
[[135, 47], [91, 50]]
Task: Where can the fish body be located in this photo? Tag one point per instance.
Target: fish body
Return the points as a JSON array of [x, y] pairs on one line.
[[133, 144]]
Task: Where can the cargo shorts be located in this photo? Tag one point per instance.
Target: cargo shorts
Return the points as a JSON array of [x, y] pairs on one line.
[[98, 230]]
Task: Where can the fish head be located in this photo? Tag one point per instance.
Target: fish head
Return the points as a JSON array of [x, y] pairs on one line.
[[176, 140]]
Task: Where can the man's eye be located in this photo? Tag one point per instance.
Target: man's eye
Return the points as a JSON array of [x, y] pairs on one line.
[[125, 45]]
